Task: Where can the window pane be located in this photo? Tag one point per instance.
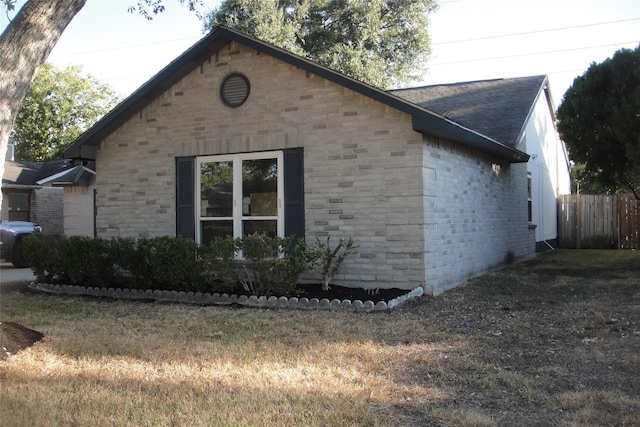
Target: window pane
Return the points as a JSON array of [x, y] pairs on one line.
[[212, 229], [18, 215], [269, 227], [18, 206], [260, 187], [216, 189]]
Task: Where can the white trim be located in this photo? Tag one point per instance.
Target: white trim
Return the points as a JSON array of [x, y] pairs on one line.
[[237, 216], [53, 177]]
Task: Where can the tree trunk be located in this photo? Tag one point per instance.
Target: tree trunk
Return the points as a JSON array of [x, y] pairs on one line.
[[24, 47]]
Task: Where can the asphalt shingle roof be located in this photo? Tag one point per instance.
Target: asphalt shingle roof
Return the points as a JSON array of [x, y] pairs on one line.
[[29, 173], [423, 120], [496, 108]]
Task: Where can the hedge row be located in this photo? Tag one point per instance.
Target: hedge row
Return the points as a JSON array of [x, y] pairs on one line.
[[269, 266]]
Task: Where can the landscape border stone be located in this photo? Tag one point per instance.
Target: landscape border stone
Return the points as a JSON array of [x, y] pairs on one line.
[[199, 298]]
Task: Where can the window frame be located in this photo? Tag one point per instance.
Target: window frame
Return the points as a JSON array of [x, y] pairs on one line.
[[237, 216]]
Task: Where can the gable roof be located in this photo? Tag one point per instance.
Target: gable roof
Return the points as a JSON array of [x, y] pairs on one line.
[[423, 119], [496, 108]]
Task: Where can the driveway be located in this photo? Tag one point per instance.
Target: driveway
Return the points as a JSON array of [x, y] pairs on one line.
[[8, 273]]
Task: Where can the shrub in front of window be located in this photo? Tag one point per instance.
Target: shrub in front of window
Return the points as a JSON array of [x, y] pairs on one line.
[[331, 260], [167, 263], [219, 256], [267, 269], [269, 266]]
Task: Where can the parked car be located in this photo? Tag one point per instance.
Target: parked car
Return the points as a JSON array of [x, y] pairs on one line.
[[11, 245]]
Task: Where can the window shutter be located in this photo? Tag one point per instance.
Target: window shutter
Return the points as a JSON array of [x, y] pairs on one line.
[[294, 192], [185, 214]]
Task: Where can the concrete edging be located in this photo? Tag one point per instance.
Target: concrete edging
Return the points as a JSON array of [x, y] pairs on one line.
[[199, 298]]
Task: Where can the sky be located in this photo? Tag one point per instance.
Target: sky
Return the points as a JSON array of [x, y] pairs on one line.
[[471, 40]]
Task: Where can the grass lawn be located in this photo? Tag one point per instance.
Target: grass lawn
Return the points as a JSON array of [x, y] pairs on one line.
[[553, 342]]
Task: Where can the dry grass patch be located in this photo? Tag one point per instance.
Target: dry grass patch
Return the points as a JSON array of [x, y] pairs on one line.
[[593, 407], [134, 363], [550, 342]]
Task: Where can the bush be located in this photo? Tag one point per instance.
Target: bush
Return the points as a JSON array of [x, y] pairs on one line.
[[168, 263], [266, 268], [71, 260], [270, 266], [219, 256], [331, 259], [45, 255]]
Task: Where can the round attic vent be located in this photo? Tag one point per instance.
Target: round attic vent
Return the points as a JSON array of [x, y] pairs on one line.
[[234, 90]]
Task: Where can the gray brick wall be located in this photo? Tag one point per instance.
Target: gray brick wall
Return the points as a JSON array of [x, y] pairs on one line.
[[47, 209], [475, 214], [364, 169]]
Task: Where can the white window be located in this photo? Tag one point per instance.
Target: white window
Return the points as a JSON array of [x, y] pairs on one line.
[[239, 194]]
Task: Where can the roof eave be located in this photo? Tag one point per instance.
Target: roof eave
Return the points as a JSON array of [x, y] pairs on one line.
[[84, 146], [446, 129], [423, 119], [8, 186]]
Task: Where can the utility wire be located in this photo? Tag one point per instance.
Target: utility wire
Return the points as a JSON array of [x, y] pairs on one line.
[[537, 31], [433, 44], [530, 54], [123, 47]]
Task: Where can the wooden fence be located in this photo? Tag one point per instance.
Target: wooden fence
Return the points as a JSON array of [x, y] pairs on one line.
[[599, 221]]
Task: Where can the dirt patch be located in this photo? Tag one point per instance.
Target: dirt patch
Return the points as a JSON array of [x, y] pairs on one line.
[[543, 341], [15, 337]]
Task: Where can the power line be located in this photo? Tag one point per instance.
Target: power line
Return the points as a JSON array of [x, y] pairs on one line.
[[530, 54], [537, 31], [433, 44], [122, 47]]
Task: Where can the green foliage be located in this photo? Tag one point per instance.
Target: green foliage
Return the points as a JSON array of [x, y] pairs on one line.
[[10, 5], [87, 260], [598, 120], [59, 106], [44, 253], [220, 258], [168, 263], [381, 42], [265, 268], [71, 260], [331, 259], [171, 263], [148, 7], [586, 182]]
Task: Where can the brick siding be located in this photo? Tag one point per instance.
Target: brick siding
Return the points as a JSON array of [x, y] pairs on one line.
[[47, 209], [366, 171]]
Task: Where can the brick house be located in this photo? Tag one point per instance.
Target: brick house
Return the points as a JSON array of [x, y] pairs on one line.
[[56, 194], [237, 135], [520, 113]]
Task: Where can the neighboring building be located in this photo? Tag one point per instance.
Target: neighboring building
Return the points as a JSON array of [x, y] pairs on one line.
[[56, 194], [237, 136]]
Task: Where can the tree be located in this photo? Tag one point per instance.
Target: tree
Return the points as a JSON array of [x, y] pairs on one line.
[[59, 106], [27, 42], [599, 120], [381, 42]]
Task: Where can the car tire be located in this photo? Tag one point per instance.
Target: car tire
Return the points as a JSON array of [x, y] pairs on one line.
[[17, 256]]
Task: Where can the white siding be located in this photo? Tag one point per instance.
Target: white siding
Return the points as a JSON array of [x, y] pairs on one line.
[[548, 167]]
